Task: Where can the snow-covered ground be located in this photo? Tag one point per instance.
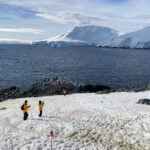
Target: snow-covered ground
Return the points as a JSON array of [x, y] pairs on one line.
[[79, 121]]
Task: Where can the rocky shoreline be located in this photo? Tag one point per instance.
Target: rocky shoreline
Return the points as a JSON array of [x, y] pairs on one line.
[[47, 88]]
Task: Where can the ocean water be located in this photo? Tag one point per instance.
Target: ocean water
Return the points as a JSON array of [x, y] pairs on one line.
[[22, 65]]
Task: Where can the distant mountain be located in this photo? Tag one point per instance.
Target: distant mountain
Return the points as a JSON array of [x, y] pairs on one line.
[[14, 41], [82, 35], [138, 39]]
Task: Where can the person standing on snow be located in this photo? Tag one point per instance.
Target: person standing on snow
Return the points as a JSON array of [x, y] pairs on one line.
[[41, 104], [25, 108]]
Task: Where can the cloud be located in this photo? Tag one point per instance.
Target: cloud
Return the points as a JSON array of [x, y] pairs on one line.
[[22, 30], [122, 25], [62, 17], [93, 7], [57, 16]]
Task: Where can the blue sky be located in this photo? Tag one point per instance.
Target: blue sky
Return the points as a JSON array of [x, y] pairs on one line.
[[32, 20]]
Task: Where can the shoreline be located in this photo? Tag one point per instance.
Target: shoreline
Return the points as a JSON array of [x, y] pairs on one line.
[[47, 88], [50, 88]]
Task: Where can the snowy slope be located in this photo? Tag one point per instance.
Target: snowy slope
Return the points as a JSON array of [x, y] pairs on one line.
[[138, 39], [83, 35], [79, 121], [65, 41], [92, 34]]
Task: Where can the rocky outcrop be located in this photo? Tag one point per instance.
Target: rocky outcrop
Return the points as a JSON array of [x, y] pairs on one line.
[[134, 88], [93, 88], [12, 92], [50, 88], [144, 101]]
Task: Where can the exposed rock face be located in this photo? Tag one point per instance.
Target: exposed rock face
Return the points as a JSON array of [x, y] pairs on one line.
[[144, 101], [50, 88]]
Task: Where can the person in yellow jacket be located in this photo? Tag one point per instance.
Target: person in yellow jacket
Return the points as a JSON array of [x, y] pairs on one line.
[[64, 92], [25, 108], [41, 104]]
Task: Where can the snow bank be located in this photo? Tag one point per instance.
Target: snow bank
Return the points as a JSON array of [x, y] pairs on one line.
[[79, 121]]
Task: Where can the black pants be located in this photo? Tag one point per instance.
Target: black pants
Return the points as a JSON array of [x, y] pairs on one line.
[[25, 116], [40, 113]]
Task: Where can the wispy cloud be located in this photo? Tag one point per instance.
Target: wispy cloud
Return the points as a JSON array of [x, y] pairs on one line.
[[122, 25], [93, 7], [57, 16], [63, 17], [22, 30]]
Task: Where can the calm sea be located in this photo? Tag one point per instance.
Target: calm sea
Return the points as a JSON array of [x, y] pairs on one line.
[[22, 65]]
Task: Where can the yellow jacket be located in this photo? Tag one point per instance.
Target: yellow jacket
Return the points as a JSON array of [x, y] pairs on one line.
[[41, 106], [64, 92], [26, 107]]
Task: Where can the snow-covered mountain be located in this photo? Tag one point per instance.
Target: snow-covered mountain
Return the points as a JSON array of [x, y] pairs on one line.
[[82, 35], [14, 41], [138, 39]]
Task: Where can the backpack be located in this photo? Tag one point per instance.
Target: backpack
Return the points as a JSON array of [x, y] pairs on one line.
[[22, 107]]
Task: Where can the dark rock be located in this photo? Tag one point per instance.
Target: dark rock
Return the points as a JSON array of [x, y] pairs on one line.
[[134, 88], [3, 108], [144, 101], [51, 88], [12, 92], [107, 91], [93, 88]]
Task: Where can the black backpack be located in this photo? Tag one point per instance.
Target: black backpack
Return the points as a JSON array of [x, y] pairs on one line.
[[22, 107]]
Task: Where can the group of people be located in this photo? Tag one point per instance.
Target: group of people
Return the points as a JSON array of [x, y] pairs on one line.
[[55, 79], [25, 108]]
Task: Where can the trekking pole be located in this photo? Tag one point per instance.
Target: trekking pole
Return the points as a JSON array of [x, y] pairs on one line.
[[52, 136], [51, 144]]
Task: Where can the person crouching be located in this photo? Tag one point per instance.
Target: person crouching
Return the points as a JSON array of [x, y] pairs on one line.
[[41, 104]]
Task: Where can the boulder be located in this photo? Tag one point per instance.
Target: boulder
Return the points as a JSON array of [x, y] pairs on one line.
[[144, 101], [93, 88], [3, 108]]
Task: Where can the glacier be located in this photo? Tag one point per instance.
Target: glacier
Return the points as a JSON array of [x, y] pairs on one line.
[[85, 35], [138, 39]]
